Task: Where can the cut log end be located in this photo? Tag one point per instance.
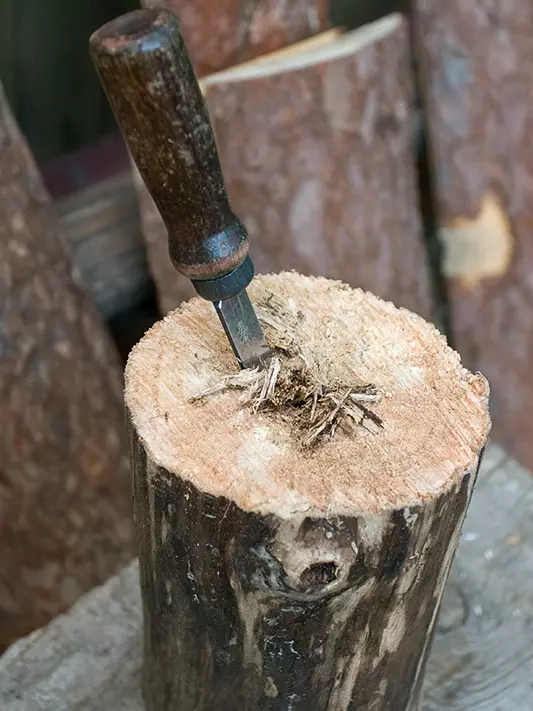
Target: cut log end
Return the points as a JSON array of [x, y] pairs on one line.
[[325, 47], [433, 412]]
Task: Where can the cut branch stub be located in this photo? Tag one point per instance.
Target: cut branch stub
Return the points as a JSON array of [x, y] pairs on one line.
[[275, 575]]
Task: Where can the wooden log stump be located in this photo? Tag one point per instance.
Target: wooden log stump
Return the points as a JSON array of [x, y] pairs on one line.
[[316, 144], [64, 490], [297, 526], [476, 60]]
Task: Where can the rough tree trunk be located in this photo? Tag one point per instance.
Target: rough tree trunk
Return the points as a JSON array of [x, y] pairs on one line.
[[477, 61], [279, 574], [64, 504], [318, 157]]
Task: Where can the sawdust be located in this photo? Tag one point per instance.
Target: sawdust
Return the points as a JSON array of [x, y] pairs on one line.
[[294, 389]]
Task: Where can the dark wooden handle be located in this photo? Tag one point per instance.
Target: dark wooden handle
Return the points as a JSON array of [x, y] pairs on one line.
[[148, 77]]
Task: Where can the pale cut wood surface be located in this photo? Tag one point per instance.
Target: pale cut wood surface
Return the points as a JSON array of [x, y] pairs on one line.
[[345, 336], [482, 655], [318, 157], [477, 61]]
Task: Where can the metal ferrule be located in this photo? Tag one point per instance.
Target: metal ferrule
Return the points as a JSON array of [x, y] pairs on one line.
[[226, 286]]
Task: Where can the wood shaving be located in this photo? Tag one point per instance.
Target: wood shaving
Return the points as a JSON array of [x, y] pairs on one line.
[[291, 389]]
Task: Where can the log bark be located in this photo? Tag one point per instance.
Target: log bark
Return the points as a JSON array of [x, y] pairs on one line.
[[274, 574], [317, 151], [238, 31], [64, 509], [476, 60]]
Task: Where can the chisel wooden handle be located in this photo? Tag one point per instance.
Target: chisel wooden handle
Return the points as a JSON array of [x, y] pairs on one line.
[[150, 83]]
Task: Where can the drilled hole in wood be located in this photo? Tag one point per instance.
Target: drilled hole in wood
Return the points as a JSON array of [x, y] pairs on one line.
[[319, 574]]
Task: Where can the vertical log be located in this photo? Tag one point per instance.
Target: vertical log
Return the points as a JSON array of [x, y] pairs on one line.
[[317, 151], [64, 509], [235, 32], [280, 574], [477, 61]]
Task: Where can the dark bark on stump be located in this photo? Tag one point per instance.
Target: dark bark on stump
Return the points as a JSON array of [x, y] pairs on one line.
[[64, 504], [477, 62], [275, 578], [224, 629]]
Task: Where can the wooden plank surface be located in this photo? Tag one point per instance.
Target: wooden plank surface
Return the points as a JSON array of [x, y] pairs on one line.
[[477, 60], [98, 213], [101, 225], [481, 660]]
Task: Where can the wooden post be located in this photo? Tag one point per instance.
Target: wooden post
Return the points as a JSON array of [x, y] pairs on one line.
[[297, 527], [316, 144], [64, 490], [476, 81]]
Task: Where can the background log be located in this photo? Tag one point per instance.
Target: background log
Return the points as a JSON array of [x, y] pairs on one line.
[[479, 660], [303, 578], [239, 30], [317, 151], [477, 60], [64, 505]]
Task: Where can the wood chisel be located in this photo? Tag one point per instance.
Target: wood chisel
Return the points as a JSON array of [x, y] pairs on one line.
[[149, 80]]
